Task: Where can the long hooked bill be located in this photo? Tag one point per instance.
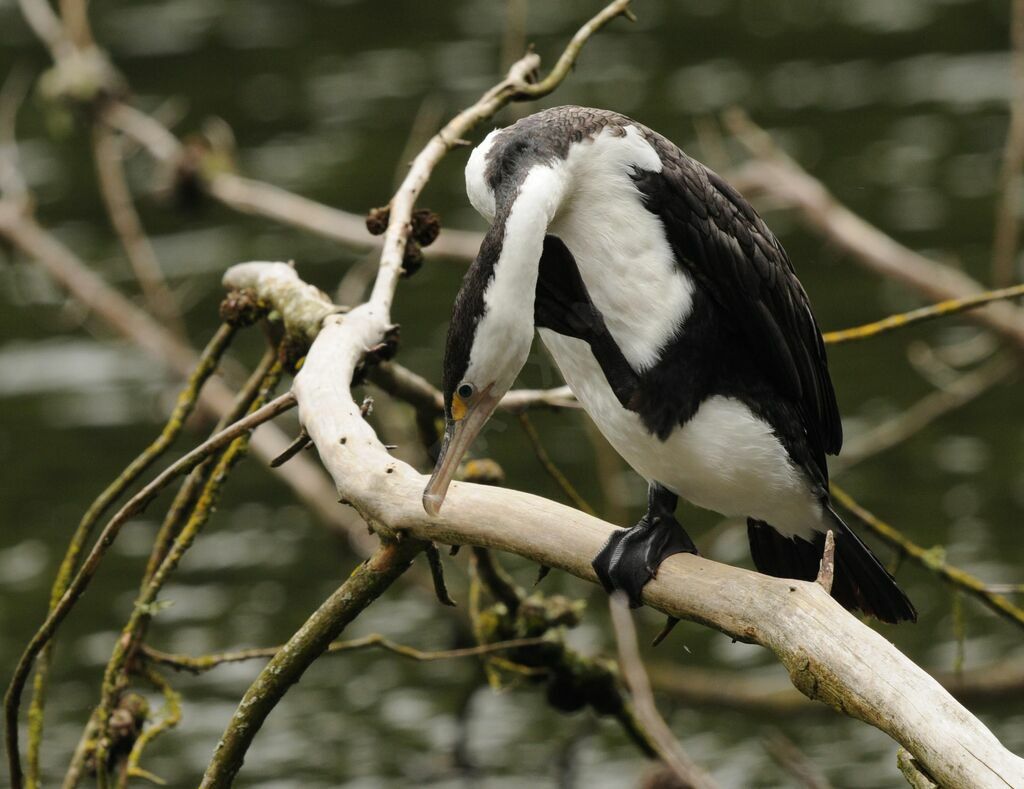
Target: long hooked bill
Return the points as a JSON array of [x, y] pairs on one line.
[[458, 436]]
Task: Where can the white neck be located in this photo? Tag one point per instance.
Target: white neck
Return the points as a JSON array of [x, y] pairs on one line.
[[505, 332]]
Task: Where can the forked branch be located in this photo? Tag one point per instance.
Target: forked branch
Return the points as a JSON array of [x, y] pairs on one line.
[[830, 655]]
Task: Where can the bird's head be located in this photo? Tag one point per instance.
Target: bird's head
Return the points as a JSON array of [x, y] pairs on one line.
[[492, 323]]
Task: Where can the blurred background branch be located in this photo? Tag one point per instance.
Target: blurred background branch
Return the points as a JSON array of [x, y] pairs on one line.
[[84, 80]]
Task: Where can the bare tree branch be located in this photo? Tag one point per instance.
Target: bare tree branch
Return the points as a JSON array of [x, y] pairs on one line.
[[186, 402], [911, 420], [830, 655], [933, 560], [117, 197], [171, 718], [72, 274], [931, 312], [771, 174], [632, 668], [203, 663], [135, 505], [288, 665], [255, 197], [1007, 221]]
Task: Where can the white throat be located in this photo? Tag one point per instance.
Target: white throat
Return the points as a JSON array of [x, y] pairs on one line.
[[505, 332], [590, 202]]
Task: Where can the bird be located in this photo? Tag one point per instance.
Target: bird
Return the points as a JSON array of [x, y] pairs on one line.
[[677, 319]]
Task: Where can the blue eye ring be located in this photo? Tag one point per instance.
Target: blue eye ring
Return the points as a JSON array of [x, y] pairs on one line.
[[465, 390]]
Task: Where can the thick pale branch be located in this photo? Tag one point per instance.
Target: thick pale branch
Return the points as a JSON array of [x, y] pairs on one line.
[[830, 655], [302, 307]]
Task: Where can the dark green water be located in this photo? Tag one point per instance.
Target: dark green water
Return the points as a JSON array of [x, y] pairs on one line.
[[898, 107]]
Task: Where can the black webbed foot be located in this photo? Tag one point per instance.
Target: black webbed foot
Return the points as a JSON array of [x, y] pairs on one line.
[[631, 557]]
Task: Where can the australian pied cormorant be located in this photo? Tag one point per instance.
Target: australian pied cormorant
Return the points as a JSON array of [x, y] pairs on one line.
[[678, 321]]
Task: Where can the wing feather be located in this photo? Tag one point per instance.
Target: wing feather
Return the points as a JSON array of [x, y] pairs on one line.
[[732, 255]]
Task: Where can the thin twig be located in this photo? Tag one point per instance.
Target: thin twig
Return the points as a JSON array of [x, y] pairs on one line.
[[135, 505], [437, 575], [203, 663], [1007, 220], [551, 467], [171, 718], [919, 415], [186, 496], [727, 690], [943, 308], [498, 582], [143, 608], [124, 218], [632, 667], [181, 509], [827, 567], [12, 94], [515, 87], [773, 174], [184, 406], [301, 442], [933, 560], [365, 585], [567, 60]]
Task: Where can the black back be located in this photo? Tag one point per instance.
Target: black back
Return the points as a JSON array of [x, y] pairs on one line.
[[740, 267], [751, 333]]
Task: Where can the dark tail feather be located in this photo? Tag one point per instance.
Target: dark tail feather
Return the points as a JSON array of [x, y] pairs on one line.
[[860, 581]]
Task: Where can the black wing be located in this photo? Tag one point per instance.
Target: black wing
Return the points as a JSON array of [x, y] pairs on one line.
[[563, 305], [732, 255]]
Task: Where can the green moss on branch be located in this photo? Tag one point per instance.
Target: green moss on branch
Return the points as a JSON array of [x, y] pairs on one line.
[[365, 585], [185, 404]]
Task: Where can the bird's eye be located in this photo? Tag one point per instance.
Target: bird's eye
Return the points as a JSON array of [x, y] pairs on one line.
[[465, 391]]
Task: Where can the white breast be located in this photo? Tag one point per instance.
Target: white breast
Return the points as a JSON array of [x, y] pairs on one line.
[[724, 459], [620, 247]]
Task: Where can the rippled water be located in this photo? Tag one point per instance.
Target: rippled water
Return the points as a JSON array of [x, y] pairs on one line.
[[898, 107]]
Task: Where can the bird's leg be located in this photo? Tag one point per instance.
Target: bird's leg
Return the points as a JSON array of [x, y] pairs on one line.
[[631, 557]]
